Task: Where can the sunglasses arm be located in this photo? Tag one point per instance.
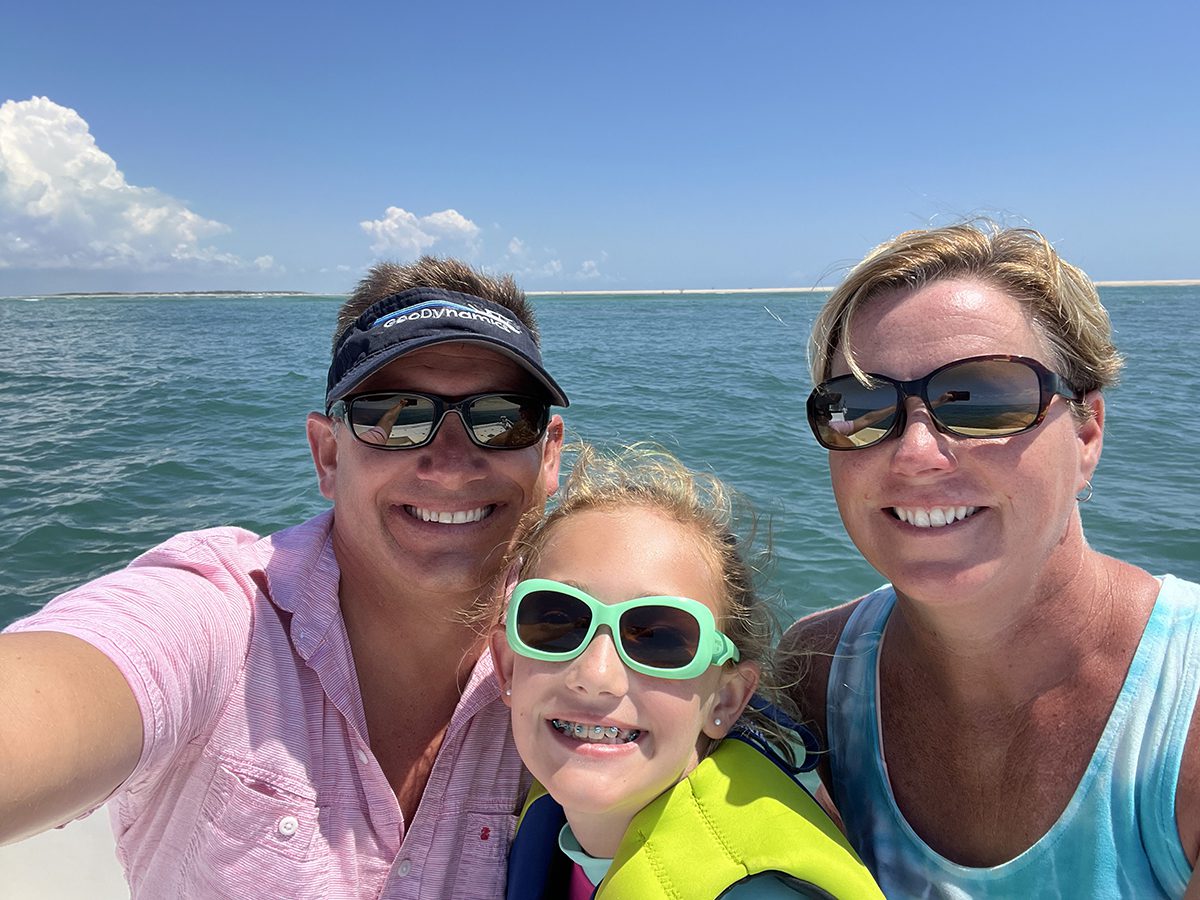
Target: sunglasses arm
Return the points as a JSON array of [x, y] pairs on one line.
[[724, 650]]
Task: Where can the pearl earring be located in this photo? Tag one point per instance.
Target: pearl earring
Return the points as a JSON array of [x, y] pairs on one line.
[[717, 721], [508, 692]]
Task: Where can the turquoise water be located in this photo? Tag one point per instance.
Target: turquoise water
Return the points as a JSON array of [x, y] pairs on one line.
[[128, 419]]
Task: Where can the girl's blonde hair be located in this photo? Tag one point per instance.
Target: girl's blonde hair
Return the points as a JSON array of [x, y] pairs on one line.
[[648, 477]]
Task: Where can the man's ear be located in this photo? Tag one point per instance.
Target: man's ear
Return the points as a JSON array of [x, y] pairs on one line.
[[737, 686], [552, 455], [503, 660], [323, 444]]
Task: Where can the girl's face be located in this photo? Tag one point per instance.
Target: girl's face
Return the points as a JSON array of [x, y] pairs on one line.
[[663, 724]]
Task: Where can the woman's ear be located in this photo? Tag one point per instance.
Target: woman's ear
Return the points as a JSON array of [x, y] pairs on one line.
[[736, 687], [502, 660], [1091, 437]]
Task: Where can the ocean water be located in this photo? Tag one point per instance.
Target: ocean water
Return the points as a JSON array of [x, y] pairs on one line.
[[130, 418]]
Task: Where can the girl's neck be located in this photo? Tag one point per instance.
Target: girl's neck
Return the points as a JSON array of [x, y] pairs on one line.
[[599, 836]]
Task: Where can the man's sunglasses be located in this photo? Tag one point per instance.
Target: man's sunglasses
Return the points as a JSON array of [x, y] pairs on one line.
[[979, 397], [667, 637], [403, 420]]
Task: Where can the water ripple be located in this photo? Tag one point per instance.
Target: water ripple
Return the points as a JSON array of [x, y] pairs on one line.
[[133, 418]]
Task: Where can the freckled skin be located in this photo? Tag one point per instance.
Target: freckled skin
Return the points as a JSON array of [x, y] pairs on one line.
[[1024, 485], [615, 556]]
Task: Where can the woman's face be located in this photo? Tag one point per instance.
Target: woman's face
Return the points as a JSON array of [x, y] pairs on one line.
[[903, 500], [663, 724]]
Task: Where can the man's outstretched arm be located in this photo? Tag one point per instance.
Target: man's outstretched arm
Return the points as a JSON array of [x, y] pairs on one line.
[[70, 730]]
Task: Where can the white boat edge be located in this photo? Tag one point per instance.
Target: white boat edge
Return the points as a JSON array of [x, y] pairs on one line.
[[78, 860]]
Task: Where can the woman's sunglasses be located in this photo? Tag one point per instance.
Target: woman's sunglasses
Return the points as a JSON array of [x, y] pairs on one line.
[[980, 397], [404, 420], [667, 637]]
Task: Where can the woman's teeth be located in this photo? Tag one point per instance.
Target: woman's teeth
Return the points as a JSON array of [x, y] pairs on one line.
[[937, 517], [598, 734]]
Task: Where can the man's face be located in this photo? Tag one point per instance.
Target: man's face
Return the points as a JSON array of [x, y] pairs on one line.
[[435, 519]]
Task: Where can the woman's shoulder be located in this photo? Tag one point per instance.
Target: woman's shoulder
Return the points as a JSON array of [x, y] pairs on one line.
[[805, 655], [819, 632], [809, 644]]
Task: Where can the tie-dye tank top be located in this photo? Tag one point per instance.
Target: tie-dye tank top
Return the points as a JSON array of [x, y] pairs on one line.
[[1117, 837]]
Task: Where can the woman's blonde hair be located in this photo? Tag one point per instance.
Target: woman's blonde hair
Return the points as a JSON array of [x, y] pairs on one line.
[[648, 477], [1062, 301]]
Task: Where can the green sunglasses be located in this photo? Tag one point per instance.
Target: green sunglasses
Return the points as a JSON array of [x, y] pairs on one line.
[[666, 637]]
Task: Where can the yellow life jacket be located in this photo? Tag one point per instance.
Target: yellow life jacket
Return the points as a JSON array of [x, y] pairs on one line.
[[735, 815]]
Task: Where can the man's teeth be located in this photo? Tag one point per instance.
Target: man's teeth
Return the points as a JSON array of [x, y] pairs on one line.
[[442, 517], [937, 517], [599, 734]]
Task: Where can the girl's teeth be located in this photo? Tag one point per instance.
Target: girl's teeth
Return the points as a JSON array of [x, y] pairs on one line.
[[600, 734]]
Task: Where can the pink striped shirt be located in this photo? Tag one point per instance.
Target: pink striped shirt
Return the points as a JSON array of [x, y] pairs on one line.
[[256, 777]]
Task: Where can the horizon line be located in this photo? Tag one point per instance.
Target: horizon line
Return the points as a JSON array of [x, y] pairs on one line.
[[1163, 282]]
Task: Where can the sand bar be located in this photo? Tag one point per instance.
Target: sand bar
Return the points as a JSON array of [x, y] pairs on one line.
[[1171, 282], [820, 289], [682, 291]]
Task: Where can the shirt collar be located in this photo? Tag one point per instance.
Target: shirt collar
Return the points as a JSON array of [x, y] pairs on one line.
[[595, 868], [302, 577]]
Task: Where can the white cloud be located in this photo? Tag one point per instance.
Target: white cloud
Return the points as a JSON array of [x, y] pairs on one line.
[[548, 269], [524, 263], [546, 263], [407, 235], [65, 204]]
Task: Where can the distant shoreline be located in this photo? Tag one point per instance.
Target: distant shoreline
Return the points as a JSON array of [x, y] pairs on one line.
[[70, 294], [658, 292], [787, 290], [820, 289], [1169, 282]]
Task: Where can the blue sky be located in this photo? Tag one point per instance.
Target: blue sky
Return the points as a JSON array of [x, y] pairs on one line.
[[615, 146]]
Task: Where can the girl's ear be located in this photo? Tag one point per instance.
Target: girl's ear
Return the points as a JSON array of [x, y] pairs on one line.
[[737, 686], [502, 660]]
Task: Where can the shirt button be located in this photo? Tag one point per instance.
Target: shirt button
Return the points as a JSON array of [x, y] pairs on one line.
[[287, 826], [362, 756], [405, 866]]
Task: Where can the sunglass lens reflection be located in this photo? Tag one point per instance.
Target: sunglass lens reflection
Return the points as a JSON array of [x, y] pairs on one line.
[[552, 622], [660, 636], [507, 421], [850, 414], [393, 420], [986, 398], [406, 420]]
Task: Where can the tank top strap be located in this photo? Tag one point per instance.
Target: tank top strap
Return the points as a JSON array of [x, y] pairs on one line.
[[852, 726], [1169, 696]]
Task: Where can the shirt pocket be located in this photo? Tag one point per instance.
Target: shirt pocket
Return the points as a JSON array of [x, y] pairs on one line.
[[483, 863], [254, 838]]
